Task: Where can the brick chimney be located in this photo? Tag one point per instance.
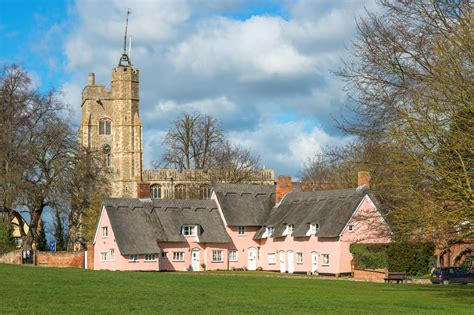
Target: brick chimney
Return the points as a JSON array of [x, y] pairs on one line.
[[283, 186], [143, 190], [363, 178]]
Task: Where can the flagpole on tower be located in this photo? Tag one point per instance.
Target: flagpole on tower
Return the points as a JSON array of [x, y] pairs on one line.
[[125, 59], [126, 29]]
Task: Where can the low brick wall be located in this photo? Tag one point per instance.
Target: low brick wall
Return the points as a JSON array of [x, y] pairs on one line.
[[60, 259], [90, 256], [13, 257], [374, 275]]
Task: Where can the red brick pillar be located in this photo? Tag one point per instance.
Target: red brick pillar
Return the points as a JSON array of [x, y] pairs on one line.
[[283, 187], [90, 256]]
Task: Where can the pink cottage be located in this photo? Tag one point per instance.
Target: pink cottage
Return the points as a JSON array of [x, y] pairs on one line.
[[240, 227]]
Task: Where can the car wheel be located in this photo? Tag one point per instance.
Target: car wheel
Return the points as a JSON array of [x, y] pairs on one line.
[[445, 281]]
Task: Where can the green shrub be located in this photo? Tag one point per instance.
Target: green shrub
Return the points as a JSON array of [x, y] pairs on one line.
[[415, 259], [7, 242]]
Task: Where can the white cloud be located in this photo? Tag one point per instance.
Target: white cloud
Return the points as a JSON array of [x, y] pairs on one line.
[[244, 72]]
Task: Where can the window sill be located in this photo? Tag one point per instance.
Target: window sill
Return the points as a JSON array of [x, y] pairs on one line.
[[271, 263], [325, 265], [241, 235], [178, 260], [147, 261], [216, 262], [299, 263], [233, 261], [133, 262]]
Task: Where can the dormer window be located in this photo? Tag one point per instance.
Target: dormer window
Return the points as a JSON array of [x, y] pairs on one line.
[[269, 231], [290, 228], [350, 228], [313, 228], [189, 230], [105, 127]]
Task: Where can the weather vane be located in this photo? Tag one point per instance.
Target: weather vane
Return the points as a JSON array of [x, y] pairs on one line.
[[125, 59]]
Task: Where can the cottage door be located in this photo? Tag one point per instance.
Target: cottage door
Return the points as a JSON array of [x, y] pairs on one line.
[[291, 262], [252, 259], [282, 261], [314, 262], [195, 261]]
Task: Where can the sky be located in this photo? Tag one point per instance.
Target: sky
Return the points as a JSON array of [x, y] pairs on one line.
[[263, 69]]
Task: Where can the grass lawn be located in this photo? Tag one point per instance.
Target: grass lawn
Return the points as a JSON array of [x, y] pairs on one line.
[[50, 290]]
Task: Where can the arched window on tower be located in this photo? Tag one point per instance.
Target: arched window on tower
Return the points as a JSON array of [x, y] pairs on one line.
[[105, 127], [205, 192], [155, 191], [180, 191]]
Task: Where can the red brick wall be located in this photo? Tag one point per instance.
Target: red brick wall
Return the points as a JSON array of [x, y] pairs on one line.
[[13, 257], [60, 259], [143, 190], [90, 256], [375, 275], [284, 186]]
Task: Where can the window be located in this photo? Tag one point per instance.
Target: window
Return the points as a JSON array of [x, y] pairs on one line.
[[103, 256], [133, 258], [150, 257], [241, 230], [290, 228], [155, 192], [164, 255], [108, 160], [105, 231], [232, 255], [180, 191], [350, 228], [105, 127], [313, 228], [271, 258], [217, 256], [189, 230], [270, 230], [178, 256], [325, 259], [112, 254], [205, 192], [299, 258]]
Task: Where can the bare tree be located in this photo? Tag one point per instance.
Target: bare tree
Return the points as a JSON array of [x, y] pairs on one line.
[[410, 75], [234, 164]]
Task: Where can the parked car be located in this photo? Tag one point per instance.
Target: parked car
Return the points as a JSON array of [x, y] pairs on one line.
[[449, 275]]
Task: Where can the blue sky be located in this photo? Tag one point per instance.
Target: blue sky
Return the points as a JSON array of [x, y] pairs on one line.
[[264, 69]]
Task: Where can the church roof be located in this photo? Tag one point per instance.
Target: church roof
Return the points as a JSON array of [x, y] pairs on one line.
[[331, 209], [245, 204], [139, 225]]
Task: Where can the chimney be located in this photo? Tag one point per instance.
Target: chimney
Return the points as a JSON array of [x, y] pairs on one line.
[[283, 186], [363, 178], [91, 78], [143, 190]]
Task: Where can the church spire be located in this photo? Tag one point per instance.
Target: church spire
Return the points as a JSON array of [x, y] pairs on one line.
[[125, 59]]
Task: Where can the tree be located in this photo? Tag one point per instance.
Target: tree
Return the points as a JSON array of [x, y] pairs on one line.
[[410, 76], [191, 142], [6, 237], [40, 239], [59, 231], [234, 164]]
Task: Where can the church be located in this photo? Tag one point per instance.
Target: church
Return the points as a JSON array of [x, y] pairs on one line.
[[111, 124]]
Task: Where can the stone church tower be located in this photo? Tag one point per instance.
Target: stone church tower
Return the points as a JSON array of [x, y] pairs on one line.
[[111, 124]]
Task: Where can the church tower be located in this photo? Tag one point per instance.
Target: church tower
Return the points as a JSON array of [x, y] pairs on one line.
[[111, 124]]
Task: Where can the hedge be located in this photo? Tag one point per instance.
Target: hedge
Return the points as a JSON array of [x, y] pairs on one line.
[[415, 259]]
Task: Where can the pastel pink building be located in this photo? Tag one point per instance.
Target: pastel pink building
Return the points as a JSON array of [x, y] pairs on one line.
[[240, 227]]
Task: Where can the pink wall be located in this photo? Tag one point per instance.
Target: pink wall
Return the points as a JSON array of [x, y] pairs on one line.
[[106, 244]]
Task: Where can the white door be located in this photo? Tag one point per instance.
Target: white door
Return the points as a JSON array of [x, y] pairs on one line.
[[282, 261], [195, 260], [252, 259], [314, 262], [291, 261]]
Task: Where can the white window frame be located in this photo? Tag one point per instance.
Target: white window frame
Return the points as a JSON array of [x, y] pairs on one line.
[[326, 260], [133, 258], [241, 230], [103, 256], [164, 255], [112, 254], [178, 256], [217, 255], [150, 257], [189, 230], [299, 258], [269, 231], [155, 191], [289, 229], [233, 255], [105, 231], [271, 258]]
